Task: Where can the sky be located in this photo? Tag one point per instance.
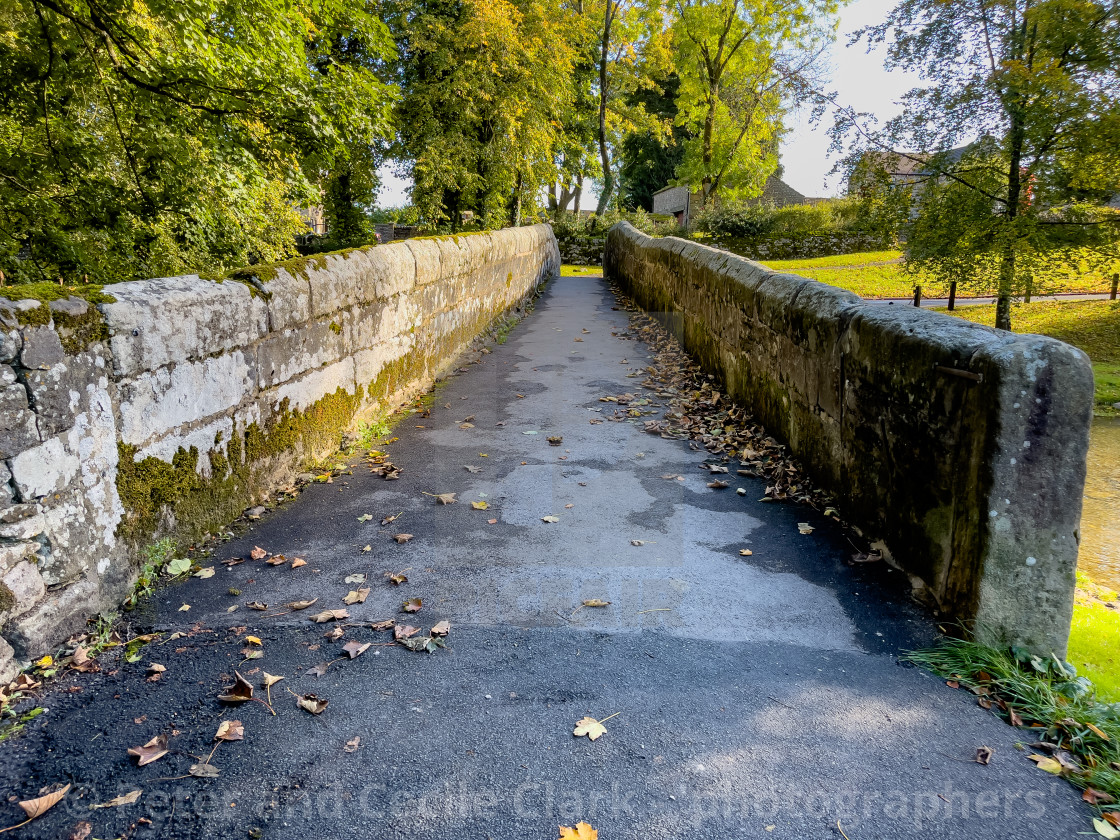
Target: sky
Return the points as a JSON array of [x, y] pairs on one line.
[[858, 77]]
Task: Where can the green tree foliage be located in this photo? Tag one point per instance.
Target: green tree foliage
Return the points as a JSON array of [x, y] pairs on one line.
[[484, 85], [651, 155], [141, 138], [740, 61], [1038, 81]]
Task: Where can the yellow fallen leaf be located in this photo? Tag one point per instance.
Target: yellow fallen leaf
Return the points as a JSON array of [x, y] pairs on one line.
[[253, 640], [745, 552], [45, 662], [582, 831], [299, 561], [184, 608], [1050, 765], [1096, 731], [1105, 829], [596, 602], [480, 505], [590, 727]]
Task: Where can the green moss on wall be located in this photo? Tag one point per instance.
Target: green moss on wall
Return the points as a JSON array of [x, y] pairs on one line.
[[79, 332], [7, 598], [46, 292]]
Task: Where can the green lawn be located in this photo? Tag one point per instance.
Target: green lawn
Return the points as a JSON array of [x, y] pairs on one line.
[[1094, 639], [580, 271], [1091, 325]]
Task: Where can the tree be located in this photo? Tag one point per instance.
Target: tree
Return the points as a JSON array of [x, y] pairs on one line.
[[739, 62], [484, 83], [651, 155], [1038, 81], [148, 138]]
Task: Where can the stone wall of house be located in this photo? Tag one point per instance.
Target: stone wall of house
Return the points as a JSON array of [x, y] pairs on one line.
[[170, 408], [958, 449]]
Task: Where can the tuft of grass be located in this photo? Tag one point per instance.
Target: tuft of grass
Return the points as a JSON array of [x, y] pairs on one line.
[[157, 557], [1094, 646], [370, 433], [1063, 712]]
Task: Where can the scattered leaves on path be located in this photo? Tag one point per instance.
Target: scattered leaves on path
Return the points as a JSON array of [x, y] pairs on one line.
[[230, 730], [299, 561], [555, 440], [239, 692], [41, 804], [422, 643], [257, 605], [402, 538], [412, 605], [1097, 797], [268, 680], [388, 520], [403, 631], [208, 572], [311, 703], [356, 596], [184, 608], [442, 628], [258, 553], [1106, 829], [718, 485], [204, 771], [443, 498], [355, 649], [154, 749], [384, 624], [330, 615], [253, 640], [335, 633], [302, 605], [396, 578], [582, 831], [124, 799]]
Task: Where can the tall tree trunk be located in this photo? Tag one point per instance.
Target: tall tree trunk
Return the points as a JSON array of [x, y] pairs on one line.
[[706, 147], [579, 192], [515, 202], [604, 152]]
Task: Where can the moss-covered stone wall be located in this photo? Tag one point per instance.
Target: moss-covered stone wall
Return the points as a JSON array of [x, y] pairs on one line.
[[168, 407], [958, 449]]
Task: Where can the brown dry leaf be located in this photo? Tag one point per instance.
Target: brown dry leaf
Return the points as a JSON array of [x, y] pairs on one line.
[[1112, 818], [155, 748], [412, 605], [550, 519], [555, 440], [745, 552], [204, 771], [466, 425], [299, 561], [257, 605], [124, 799], [442, 628], [596, 602], [718, 485], [383, 625], [983, 755], [480, 505], [330, 615], [1097, 797], [239, 692], [317, 671], [355, 649], [582, 831], [41, 804], [356, 596], [402, 538], [301, 605], [258, 553], [397, 578], [335, 634], [269, 680], [230, 730], [81, 831], [311, 703], [590, 727], [491, 521], [1096, 730], [277, 560], [403, 631], [1013, 717], [353, 744]]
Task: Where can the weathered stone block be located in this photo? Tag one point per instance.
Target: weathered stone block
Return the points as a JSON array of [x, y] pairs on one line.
[[44, 469], [18, 429], [284, 354], [26, 585], [42, 348], [174, 319]]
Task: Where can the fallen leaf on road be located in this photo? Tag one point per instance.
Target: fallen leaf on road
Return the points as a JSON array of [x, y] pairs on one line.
[[41, 804], [466, 425], [582, 831], [353, 744], [330, 615], [718, 485], [590, 727], [319, 670], [471, 468], [299, 561], [277, 560], [443, 498], [555, 440], [356, 596], [335, 634], [442, 628], [421, 643], [253, 640], [1050, 765], [124, 799], [1106, 829], [368, 548], [355, 649], [745, 552], [383, 625], [257, 605], [301, 605], [184, 608], [230, 730], [403, 631], [81, 831], [1097, 797], [268, 680], [208, 572], [311, 703], [155, 748], [804, 527], [204, 771], [402, 538], [637, 542], [358, 578], [550, 519], [596, 602], [365, 517], [412, 605], [983, 755], [258, 553], [396, 578], [239, 692], [491, 521], [480, 505], [252, 653]]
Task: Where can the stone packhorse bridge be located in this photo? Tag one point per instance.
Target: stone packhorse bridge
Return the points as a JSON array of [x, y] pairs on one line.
[[750, 671]]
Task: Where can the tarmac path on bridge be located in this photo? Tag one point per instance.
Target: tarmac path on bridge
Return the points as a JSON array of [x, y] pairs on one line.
[[752, 696]]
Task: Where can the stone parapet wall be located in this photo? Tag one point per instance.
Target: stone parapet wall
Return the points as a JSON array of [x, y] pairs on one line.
[[178, 402], [958, 449]]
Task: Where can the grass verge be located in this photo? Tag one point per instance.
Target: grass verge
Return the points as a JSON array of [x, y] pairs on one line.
[[1094, 639], [1068, 730], [580, 271]]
